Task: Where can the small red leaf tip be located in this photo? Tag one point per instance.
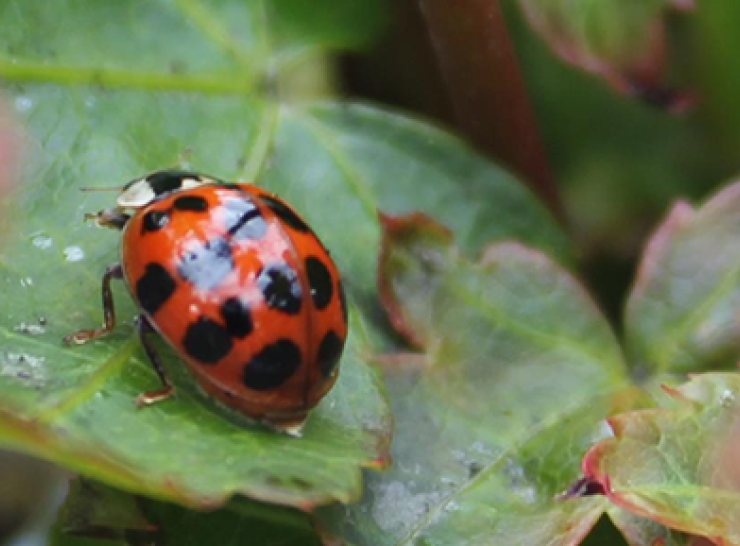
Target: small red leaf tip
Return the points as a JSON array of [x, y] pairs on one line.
[[614, 424], [673, 101], [584, 487], [676, 393]]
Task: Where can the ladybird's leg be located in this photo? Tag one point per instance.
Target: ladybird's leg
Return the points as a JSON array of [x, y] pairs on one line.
[[109, 313], [111, 218], [168, 389]]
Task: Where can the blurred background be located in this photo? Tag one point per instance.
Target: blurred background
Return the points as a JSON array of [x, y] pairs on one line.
[[609, 110]]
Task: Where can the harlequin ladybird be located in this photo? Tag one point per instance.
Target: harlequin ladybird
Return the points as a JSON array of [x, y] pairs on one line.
[[237, 282]]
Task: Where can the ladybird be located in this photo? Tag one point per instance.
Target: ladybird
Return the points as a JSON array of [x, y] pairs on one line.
[[238, 284]]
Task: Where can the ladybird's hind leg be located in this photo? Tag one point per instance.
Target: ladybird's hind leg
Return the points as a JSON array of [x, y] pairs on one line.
[[168, 389], [110, 218], [109, 313]]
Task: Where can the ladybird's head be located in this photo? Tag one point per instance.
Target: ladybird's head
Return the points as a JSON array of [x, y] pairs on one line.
[[142, 191]]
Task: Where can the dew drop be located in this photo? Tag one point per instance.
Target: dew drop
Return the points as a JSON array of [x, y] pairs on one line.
[[22, 366], [42, 241], [727, 398], [30, 329], [451, 506], [73, 254], [23, 104]]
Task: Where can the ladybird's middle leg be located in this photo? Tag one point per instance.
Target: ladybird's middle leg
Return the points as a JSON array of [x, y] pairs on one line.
[[168, 389], [109, 313]]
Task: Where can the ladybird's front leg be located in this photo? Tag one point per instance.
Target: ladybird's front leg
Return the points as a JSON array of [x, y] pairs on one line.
[[109, 313], [111, 218], [168, 389]]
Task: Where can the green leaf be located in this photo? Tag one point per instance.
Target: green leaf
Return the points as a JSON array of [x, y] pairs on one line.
[[235, 40], [643, 531], [682, 313], [678, 464], [493, 417], [93, 514], [350, 24], [134, 111]]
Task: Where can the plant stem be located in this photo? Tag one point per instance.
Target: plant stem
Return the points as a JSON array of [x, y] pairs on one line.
[[486, 87]]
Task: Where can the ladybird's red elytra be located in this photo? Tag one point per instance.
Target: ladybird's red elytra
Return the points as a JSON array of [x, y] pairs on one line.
[[237, 282]]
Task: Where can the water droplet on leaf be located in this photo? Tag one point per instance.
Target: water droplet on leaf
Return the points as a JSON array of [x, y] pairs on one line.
[[23, 104], [30, 329], [73, 254], [727, 398], [42, 241]]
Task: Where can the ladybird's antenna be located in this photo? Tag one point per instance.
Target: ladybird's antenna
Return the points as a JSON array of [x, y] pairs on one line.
[[117, 188]]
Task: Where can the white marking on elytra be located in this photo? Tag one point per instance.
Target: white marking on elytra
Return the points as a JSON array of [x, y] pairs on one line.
[[140, 193], [136, 195]]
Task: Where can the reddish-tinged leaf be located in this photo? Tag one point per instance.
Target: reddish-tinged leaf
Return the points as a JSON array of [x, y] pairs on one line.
[[418, 229], [682, 315], [678, 465], [520, 366], [622, 41]]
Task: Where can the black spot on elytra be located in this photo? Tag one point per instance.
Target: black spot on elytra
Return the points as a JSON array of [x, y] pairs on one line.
[[237, 317], [154, 220], [330, 350], [342, 300], [207, 341], [154, 288], [286, 214], [272, 366], [206, 265], [319, 279], [281, 288], [193, 203], [243, 220]]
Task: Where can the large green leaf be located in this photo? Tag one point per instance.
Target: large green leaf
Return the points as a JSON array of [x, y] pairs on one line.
[[493, 417], [187, 78], [224, 42], [94, 514]]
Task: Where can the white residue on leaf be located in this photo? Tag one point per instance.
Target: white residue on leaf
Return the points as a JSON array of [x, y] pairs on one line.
[[30, 329], [519, 482], [26, 282], [73, 253], [22, 366], [396, 508], [727, 398], [42, 241], [23, 104]]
